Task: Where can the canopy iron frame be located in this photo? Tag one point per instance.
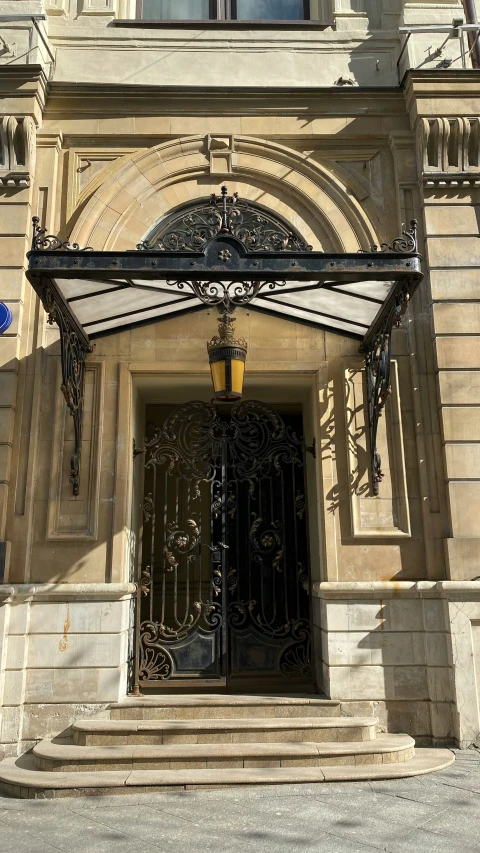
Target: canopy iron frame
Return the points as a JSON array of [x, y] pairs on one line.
[[226, 273]]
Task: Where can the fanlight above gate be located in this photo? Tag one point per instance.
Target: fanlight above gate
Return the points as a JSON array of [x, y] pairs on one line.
[[192, 226]]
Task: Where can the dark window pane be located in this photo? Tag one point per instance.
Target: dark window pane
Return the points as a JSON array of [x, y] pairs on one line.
[[270, 10], [175, 10]]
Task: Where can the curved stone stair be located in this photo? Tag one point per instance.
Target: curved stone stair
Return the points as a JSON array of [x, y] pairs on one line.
[[181, 742]]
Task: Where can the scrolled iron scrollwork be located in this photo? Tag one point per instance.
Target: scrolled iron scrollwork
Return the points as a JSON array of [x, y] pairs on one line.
[[296, 659], [74, 347], [193, 226], [146, 580], [148, 507], [155, 661], [181, 543], [229, 294], [260, 442], [300, 504], [378, 360], [41, 241], [303, 576], [269, 541], [186, 444], [407, 244]]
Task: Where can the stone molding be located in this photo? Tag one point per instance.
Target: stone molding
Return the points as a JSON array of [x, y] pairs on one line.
[[17, 151], [461, 590], [68, 591], [444, 179], [127, 205]]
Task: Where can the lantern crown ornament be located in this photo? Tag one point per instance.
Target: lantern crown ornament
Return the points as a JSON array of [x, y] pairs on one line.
[[227, 355]]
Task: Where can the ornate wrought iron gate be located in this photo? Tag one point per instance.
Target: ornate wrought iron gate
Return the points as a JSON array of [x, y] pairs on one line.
[[224, 590]]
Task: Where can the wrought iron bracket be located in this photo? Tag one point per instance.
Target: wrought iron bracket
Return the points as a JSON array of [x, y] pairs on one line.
[[377, 348], [74, 346], [312, 448], [137, 451]]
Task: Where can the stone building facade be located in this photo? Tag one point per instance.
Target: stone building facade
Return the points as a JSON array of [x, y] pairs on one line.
[[107, 125]]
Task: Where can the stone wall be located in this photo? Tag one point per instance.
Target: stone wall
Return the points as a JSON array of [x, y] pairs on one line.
[[64, 651], [349, 168], [389, 644], [410, 652]]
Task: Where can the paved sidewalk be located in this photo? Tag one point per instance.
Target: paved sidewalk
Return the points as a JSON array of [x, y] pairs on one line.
[[439, 813]]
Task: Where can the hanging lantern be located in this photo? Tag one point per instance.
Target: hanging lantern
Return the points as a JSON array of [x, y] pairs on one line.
[[227, 358]]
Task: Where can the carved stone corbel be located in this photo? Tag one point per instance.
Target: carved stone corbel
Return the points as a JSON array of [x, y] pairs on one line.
[[17, 151], [449, 150]]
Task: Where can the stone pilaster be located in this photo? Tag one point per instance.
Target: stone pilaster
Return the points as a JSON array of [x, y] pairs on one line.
[[21, 103], [449, 167]]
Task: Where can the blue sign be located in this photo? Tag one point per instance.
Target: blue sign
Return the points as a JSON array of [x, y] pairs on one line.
[[5, 318]]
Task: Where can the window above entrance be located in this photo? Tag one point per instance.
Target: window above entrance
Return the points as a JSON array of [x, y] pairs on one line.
[[224, 10]]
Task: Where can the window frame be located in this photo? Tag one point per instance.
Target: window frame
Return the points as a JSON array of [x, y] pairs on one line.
[[214, 6], [232, 8], [223, 10]]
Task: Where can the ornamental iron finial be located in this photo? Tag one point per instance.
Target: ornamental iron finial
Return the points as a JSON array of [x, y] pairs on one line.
[[226, 333], [407, 244], [41, 241], [226, 201]]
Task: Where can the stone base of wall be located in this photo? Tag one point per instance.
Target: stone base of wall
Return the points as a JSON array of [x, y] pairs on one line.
[[410, 650], [408, 717], [407, 652], [64, 652]]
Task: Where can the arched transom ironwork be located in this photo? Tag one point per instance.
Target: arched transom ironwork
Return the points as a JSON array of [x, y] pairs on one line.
[[192, 226]]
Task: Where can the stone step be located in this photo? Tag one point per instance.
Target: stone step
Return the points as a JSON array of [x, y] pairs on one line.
[[222, 707], [20, 778], [247, 730], [68, 757]]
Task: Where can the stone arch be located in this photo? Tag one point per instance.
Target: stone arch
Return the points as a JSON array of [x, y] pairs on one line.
[[143, 189]]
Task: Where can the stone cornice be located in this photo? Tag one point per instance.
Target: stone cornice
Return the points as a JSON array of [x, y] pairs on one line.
[[441, 83], [442, 93], [25, 89], [110, 99]]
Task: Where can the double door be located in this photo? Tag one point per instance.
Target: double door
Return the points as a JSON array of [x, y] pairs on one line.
[[224, 590]]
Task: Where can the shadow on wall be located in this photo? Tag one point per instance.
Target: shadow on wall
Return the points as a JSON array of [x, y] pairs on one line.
[[382, 538], [65, 538]]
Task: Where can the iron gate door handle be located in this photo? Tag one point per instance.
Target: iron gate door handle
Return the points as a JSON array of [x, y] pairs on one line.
[[216, 550]]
